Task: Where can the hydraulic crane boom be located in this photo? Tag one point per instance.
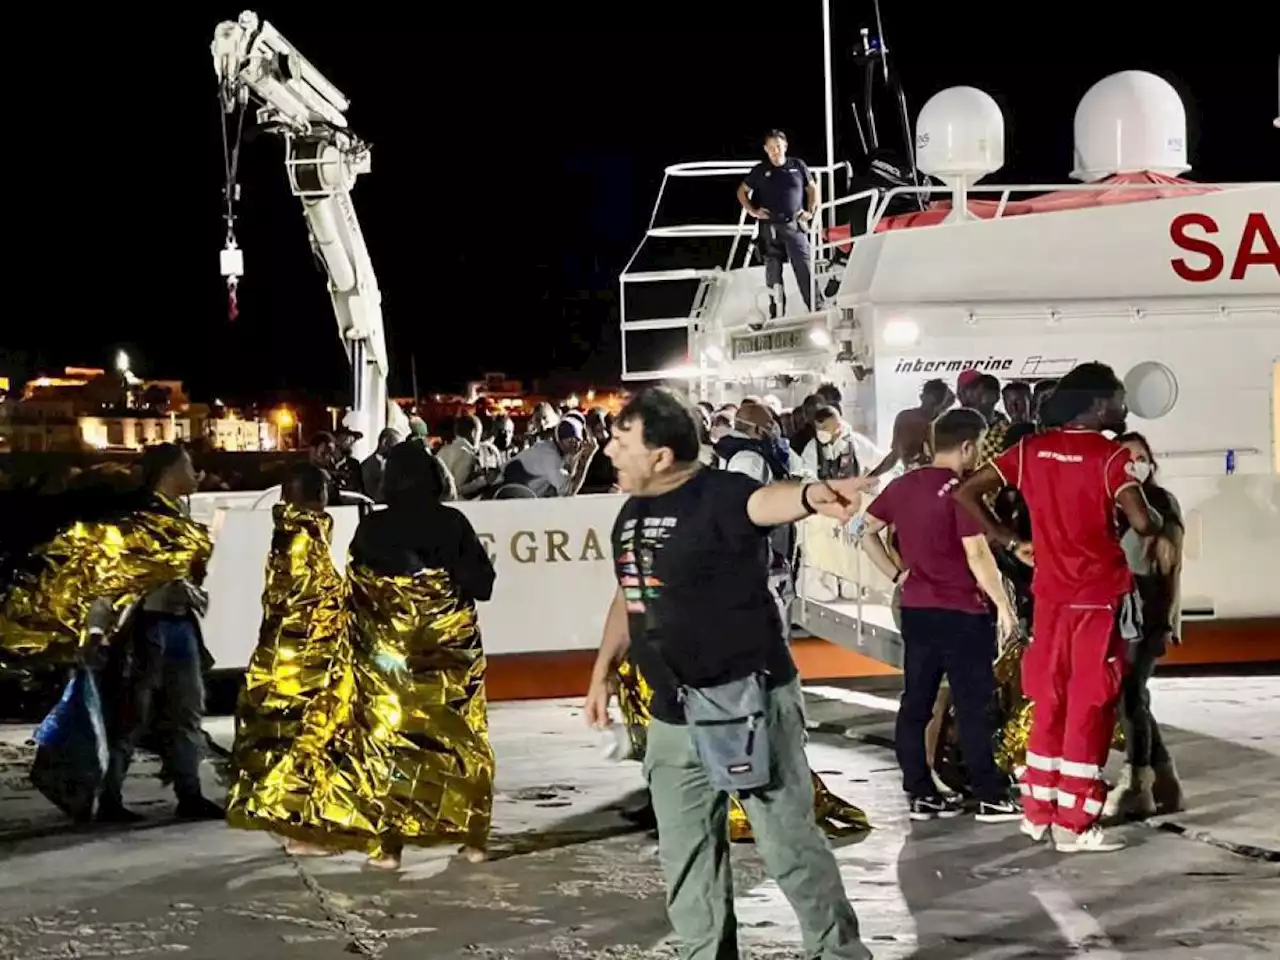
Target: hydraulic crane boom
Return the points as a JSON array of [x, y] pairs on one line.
[[256, 64]]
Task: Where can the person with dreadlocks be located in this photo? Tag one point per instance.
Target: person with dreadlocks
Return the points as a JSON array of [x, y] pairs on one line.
[[1075, 480]]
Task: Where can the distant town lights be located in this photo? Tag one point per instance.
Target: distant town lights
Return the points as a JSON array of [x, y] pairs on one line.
[[901, 333]]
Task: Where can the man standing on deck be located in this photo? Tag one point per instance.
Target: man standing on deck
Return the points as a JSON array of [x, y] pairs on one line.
[[782, 194], [1073, 479]]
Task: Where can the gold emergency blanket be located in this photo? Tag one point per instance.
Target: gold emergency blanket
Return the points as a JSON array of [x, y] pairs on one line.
[[422, 730], [837, 817], [1015, 709], [1015, 713], [44, 617], [295, 707]]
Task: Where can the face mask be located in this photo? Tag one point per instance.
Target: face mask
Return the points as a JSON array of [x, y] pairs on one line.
[[1140, 470], [824, 437]]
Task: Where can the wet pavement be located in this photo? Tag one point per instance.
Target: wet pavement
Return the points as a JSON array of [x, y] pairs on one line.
[[572, 879]]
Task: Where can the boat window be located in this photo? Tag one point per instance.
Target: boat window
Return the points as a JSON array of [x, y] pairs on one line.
[[1151, 389]]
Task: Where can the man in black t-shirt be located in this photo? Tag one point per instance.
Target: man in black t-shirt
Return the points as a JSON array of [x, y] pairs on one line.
[[692, 610], [781, 193]]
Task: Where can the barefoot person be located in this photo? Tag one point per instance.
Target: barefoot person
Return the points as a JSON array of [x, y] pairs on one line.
[[299, 675], [417, 572]]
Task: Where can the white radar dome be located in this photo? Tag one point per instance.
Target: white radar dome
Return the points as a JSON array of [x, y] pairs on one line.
[[960, 135], [1130, 122]]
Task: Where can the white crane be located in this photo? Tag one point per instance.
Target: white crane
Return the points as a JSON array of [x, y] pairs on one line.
[[255, 63]]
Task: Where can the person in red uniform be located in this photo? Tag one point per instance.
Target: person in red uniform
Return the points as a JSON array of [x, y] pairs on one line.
[[1073, 479]]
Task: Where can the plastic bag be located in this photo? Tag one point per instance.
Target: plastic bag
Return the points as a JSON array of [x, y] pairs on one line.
[[71, 749]]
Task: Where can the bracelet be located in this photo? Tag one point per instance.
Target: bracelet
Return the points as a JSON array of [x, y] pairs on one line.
[[809, 509]]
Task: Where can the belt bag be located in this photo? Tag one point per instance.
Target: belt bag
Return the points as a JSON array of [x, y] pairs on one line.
[[729, 726], [727, 722]]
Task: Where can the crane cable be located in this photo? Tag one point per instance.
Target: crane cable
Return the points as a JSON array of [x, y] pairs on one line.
[[230, 186]]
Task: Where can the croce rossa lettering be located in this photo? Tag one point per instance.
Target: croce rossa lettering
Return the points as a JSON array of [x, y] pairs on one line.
[[544, 546]]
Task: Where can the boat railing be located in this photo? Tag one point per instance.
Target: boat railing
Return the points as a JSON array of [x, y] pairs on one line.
[[742, 234], [1007, 193], [826, 244]]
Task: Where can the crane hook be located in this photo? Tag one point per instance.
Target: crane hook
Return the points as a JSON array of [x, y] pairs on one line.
[[233, 301]]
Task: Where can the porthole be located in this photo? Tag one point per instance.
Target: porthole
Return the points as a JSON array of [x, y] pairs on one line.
[[1151, 389]]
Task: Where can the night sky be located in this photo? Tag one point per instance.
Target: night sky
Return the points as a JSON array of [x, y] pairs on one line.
[[515, 162]]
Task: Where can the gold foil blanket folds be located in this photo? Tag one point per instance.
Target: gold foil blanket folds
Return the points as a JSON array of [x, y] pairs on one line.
[[44, 616], [1016, 712], [294, 712], [837, 817], [420, 713]]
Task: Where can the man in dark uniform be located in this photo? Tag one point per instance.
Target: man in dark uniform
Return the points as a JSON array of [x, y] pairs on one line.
[[781, 193]]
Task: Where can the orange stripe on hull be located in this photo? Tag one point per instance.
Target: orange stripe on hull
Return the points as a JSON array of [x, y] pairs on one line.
[[1227, 641], [534, 676]]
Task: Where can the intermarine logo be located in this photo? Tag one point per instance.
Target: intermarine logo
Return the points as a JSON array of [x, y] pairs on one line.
[[921, 365], [1031, 368]]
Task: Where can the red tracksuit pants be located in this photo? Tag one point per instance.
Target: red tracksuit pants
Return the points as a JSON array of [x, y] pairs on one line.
[[1072, 672]]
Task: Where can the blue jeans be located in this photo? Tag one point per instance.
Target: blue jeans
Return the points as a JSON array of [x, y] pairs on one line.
[[167, 673]]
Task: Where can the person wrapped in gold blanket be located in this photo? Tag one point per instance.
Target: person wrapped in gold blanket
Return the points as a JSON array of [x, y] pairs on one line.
[[116, 551], [294, 713], [93, 556], [417, 570], [838, 817]]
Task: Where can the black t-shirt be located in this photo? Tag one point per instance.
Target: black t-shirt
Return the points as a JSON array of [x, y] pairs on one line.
[[779, 189], [691, 564]]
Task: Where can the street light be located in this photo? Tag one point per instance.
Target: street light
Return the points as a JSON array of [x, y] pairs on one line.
[[286, 421], [122, 361]]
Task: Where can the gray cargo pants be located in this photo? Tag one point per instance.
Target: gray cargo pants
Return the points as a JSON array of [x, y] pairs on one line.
[[169, 664], [693, 842]]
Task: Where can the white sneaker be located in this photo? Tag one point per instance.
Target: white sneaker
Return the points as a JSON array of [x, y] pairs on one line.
[[1035, 831], [1093, 840]]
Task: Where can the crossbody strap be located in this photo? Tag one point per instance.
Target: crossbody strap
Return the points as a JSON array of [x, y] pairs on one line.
[[644, 570]]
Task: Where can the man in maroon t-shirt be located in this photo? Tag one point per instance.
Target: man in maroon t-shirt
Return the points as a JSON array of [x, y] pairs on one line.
[[1073, 479], [947, 627]]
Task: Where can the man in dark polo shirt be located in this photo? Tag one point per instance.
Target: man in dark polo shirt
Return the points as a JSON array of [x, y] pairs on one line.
[[950, 584], [692, 610], [781, 193]]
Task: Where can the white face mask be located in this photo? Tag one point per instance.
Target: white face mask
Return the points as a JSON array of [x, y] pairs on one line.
[[824, 437], [1140, 470]]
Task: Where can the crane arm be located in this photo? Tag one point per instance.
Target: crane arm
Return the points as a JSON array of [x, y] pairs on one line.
[[255, 64]]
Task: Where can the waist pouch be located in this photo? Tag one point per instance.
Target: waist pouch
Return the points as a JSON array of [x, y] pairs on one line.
[[729, 726]]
